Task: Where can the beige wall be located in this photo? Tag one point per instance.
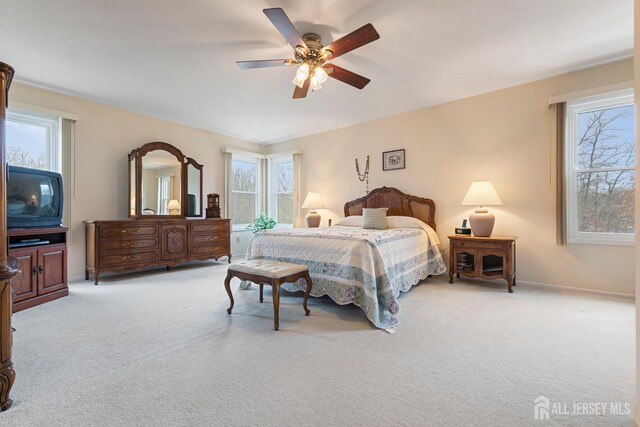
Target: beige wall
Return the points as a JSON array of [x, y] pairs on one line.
[[506, 137], [104, 137]]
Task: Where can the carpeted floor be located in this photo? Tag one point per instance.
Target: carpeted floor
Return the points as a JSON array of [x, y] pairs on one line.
[[158, 349]]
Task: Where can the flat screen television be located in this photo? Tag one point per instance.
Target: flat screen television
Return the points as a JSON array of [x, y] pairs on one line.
[[34, 198]]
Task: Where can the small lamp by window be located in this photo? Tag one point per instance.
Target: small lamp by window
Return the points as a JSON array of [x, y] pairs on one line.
[[482, 193], [173, 207], [313, 201]]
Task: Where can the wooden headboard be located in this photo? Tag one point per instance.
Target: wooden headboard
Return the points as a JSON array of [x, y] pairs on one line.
[[399, 204]]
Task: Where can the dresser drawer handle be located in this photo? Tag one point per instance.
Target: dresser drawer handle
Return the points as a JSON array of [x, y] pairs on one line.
[[130, 230], [130, 257], [210, 238], [130, 244]]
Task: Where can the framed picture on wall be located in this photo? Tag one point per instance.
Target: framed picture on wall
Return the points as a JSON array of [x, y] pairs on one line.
[[392, 160]]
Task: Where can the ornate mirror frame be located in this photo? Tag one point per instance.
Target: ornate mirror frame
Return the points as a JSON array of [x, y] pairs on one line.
[[135, 179]]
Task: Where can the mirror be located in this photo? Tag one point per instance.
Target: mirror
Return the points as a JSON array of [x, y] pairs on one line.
[[194, 188], [132, 185], [163, 182]]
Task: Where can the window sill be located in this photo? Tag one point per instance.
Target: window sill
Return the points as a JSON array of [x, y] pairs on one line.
[[604, 239]]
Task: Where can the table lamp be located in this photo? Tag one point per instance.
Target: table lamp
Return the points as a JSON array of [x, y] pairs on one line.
[[313, 201], [482, 193], [173, 207]]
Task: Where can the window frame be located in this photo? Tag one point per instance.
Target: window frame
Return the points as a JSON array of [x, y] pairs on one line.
[[53, 127], [573, 109], [258, 193], [273, 189]]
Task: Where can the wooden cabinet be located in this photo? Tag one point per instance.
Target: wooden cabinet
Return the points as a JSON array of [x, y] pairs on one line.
[[25, 284], [43, 268], [52, 269], [485, 257], [119, 246]]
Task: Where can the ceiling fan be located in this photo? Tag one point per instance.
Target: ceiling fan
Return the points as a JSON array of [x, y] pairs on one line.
[[312, 56]]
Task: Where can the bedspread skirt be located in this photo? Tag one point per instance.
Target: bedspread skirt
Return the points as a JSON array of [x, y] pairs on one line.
[[368, 268]]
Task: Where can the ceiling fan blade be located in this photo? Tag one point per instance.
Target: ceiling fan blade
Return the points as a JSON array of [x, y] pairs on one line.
[[302, 92], [264, 63], [282, 22], [351, 41], [347, 76]]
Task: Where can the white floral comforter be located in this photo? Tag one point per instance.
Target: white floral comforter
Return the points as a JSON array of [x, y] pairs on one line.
[[368, 268]]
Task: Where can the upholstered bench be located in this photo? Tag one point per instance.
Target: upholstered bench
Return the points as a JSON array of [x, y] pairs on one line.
[[272, 273]]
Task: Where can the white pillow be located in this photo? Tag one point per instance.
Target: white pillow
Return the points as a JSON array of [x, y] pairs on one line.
[[374, 218], [351, 221], [411, 222]]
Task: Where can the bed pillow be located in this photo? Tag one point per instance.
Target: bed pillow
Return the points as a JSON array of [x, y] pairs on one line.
[[411, 222], [374, 218], [351, 221]]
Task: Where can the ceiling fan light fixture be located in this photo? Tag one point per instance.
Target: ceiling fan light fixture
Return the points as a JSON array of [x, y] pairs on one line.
[[310, 55], [315, 84], [301, 75], [320, 74]]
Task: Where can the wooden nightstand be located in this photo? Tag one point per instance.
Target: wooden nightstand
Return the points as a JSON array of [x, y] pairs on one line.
[[485, 257]]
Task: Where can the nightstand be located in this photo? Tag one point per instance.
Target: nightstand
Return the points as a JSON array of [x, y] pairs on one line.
[[485, 257]]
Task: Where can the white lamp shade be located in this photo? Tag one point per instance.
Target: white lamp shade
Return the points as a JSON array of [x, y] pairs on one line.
[[481, 193], [313, 201], [173, 205]]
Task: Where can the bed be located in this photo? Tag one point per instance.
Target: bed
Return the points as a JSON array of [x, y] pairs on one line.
[[352, 265]]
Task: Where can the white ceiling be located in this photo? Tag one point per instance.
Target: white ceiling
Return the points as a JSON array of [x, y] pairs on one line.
[[176, 59]]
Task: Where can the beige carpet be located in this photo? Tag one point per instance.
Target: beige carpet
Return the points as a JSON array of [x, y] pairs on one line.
[[158, 349]]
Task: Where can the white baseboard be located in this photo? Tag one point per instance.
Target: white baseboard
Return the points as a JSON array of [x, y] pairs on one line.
[[618, 295]]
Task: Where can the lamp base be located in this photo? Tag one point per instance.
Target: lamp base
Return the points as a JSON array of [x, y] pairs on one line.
[[482, 223], [313, 220]]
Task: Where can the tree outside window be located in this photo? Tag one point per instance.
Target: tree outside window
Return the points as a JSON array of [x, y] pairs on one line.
[[33, 141], [283, 189], [602, 158], [245, 191]]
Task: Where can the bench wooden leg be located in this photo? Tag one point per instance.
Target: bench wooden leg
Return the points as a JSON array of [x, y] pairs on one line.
[[261, 288], [307, 278], [275, 286], [227, 287]]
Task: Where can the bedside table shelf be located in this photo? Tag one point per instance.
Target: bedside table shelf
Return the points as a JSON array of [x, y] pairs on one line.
[[489, 258]]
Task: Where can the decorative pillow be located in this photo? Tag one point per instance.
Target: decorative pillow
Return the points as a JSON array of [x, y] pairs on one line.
[[375, 219], [351, 221]]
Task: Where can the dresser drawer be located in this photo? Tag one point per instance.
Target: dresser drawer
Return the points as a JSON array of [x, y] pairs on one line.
[[129, 231], [212, 251], [208, 239], [208, 227], [480, 245], [115, 245], [134, 257]]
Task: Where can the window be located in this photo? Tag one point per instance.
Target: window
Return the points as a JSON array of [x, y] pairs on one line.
[[163, 194], [33, 140], [245, 189], [600, 155], [282, 191]]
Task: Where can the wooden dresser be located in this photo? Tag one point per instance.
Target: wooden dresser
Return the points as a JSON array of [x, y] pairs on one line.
[[125, 245]]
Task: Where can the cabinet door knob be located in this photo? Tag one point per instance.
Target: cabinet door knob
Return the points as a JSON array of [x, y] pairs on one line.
[[40, 269], [34, 270]]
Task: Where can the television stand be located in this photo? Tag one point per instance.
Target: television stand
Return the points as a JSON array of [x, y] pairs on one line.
[[41, 255]]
